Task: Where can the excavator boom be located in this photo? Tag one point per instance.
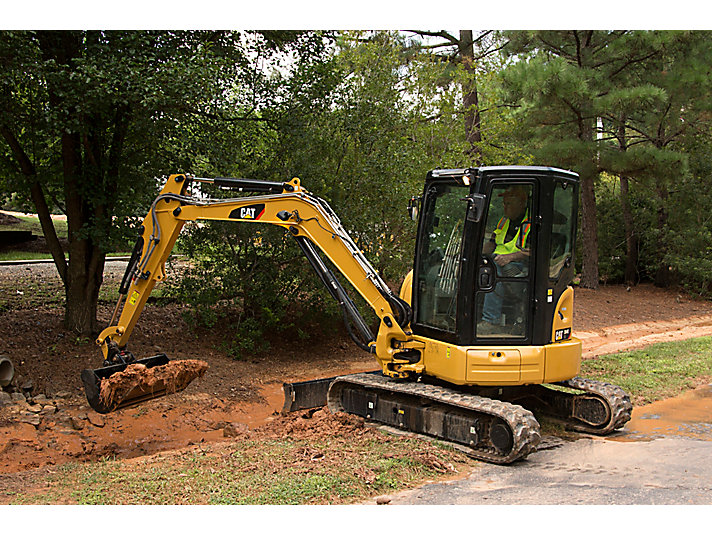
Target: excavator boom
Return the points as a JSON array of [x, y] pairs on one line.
[[306, 217]]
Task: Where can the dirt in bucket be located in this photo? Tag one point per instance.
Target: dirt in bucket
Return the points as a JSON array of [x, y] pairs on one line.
[[172, 377]]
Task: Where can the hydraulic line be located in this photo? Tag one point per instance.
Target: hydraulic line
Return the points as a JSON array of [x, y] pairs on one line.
[[348, 307]]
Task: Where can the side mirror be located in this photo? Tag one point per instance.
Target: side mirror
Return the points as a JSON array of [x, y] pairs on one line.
[[476, 203], [414, 208]]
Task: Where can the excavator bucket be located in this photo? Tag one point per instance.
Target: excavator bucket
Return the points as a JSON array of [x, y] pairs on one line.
[[120, 386]]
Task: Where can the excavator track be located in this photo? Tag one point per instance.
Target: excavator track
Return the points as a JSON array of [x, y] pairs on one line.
[[493, 430], [618, 406], [584, 406]]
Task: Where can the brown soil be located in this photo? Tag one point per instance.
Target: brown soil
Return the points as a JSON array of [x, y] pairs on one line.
[[234, 398], [137, 379]]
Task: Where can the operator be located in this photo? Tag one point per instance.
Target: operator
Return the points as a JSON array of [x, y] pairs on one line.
[[509, 246]]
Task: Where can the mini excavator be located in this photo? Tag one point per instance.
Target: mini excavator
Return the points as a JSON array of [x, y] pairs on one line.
[[478, 338]]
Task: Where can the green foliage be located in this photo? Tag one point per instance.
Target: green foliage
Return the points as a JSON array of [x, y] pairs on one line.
[[360, 128], [248, 284]]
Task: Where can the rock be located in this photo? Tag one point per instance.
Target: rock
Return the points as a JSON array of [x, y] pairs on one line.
[[232, 430], [40, 399], [48, 409], [383, 499], [96, 419], [34, 408], [28, 385], [77, 423], [5, 398], [31, 419], [63, 395], [18, 397]]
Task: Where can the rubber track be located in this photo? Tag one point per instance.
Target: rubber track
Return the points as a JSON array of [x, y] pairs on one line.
[[524, 427], [615, 397]]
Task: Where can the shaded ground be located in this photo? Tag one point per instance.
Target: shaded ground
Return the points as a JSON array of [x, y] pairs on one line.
[[234, 397]]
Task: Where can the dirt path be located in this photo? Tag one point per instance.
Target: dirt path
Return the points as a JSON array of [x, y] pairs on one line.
[[56, 426]]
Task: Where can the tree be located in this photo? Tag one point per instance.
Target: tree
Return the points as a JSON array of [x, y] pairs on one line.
[[652, 114], [91, 118], [562, 84], [467, 52]]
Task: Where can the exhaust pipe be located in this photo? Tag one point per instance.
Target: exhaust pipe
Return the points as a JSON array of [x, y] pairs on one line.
[[7, 371]]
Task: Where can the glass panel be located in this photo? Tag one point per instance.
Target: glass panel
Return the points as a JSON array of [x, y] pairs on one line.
[[508, 232], [562, 230], [503, 311], [438, 275]]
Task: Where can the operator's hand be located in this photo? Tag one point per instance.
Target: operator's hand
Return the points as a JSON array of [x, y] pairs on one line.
[[502, 259]]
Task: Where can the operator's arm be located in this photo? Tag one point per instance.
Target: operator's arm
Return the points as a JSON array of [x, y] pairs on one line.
[[504, 259]]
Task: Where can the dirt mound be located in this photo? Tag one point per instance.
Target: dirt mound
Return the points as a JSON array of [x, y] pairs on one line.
[[316, 422], [172, 377]]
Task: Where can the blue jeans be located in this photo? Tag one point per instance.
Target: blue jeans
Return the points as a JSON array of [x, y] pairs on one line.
[[492, 306]]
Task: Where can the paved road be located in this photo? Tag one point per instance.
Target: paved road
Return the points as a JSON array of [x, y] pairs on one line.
[[662, 471], [663, 456]]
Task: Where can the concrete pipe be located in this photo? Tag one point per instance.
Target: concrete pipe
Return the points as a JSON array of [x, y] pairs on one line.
[[7, 371]]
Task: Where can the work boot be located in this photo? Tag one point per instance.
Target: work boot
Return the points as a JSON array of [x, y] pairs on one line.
[[485, 329]]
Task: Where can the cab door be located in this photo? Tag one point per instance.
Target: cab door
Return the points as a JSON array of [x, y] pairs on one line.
[[504, 281]]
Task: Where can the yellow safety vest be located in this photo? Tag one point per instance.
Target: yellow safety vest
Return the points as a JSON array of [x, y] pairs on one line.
[[517, 243]]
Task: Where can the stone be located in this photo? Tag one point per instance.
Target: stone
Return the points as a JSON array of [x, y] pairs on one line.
[[48, 409], [34, 408], [40, 399], [18, 397], [31, 419], [28, 385], [5, 398], [383, 499], [77, 423], [96, 419], [63, 395]]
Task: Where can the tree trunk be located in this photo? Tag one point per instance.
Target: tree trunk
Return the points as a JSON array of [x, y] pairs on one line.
[[473, 127], [631, 238], [589, 229], [84, 271], [663, 276]]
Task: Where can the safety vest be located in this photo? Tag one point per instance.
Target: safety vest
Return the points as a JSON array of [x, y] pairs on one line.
[[518, 242]]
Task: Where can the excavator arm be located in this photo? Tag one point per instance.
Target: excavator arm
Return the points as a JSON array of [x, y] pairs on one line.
[[315, 228]]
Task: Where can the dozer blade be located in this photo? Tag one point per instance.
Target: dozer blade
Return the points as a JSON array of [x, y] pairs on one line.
[[120, 386], [308, 394]]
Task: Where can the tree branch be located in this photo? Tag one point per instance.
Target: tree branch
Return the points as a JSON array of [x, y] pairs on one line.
[[38, 198]]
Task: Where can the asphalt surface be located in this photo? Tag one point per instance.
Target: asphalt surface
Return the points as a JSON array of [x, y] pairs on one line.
[[675, 471]]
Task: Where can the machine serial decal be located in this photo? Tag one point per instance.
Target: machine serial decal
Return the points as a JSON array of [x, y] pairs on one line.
[[249, 213]]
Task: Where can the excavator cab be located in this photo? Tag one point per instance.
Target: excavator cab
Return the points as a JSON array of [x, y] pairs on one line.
[[464, 291]]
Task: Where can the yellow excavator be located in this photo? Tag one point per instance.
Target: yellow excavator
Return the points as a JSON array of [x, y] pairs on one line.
[[479, 336]]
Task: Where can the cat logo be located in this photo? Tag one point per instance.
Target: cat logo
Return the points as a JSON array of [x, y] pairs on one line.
[[248, 213], [561, 335]]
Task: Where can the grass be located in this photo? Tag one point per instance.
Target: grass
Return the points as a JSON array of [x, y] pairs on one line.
[[32, 224], [254, 472], [656, 372], [19, 255]]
